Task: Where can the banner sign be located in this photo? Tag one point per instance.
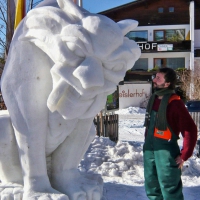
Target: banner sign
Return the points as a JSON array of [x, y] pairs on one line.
[[133, 94], [165, 47]]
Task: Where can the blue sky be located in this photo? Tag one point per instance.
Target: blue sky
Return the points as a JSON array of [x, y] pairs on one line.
[[95, 6]]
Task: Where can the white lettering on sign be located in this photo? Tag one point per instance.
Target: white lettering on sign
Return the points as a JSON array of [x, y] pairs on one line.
[[147, 46]]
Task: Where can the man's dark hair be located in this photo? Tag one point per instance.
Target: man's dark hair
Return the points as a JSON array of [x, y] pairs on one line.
[[170, 76]]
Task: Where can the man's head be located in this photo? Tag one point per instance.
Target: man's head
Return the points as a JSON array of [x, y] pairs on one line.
[[165, 78]]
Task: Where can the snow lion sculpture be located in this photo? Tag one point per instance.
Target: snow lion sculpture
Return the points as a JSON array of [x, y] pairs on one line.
[[62, 64]]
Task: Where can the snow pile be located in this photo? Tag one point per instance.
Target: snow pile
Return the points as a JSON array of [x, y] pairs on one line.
[[131, 111], [122, 161]]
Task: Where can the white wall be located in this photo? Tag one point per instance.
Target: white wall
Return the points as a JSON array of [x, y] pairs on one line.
[[151, 57], [152, 28], [197, 39], [133, 94]]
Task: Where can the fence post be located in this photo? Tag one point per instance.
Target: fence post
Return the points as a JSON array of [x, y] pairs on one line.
[[101, 124], [106, 126]]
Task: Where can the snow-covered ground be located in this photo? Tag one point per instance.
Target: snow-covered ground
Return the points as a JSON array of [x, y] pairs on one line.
[[121, 163]]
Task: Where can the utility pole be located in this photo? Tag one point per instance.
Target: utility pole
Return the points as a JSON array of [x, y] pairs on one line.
[[31, 4], [80, 3], [11, 6]]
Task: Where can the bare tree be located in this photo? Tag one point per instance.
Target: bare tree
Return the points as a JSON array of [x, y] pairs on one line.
[[7, 17], [190, 81], [3, 25]]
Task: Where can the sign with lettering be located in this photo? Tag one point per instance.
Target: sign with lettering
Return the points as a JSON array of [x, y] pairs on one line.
[[133, 94], [165, 47], [147, 45]]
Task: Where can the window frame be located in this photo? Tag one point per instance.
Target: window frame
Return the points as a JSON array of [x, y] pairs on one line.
[[160, 10], [140, 68], [165, 34], [164, 62], [146, 31], [154, 34], [171, 11]]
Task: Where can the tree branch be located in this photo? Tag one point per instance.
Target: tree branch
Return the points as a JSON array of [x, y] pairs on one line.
[[3, 44], [3, 32]]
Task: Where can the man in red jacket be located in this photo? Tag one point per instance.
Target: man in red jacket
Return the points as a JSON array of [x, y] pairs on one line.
[[166, 117]]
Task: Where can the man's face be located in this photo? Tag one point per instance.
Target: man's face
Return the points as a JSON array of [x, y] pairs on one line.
[[159, 81]]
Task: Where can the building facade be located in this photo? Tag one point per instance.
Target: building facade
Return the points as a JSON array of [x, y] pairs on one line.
[[168, 35], [168, 32]]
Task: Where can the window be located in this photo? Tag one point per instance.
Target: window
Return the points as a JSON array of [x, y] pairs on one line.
[[138, 36], [173, 63], [141, 64], [159, 35], [160, 10], [173, 35], [171, 9]]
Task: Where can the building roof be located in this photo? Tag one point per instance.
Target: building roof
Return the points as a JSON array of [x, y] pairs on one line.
[[146, 12]]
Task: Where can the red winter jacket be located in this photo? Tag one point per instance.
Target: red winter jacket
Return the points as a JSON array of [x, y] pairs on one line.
[[180, 121]]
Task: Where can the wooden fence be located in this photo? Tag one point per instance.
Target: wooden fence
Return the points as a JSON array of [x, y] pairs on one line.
[[107, 125], [196, 117], [2, 104]]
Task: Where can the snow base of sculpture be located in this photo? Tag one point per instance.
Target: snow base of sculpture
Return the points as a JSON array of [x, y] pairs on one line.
[[90, 183]]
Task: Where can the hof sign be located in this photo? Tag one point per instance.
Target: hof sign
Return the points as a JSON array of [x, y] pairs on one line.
[[147, 45], [155, 46]]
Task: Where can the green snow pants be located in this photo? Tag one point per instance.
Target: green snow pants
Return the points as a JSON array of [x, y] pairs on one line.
[[161, 173]]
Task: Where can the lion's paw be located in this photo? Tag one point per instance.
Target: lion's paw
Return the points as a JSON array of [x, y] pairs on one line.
[[44, 196], [93, 185], [11, 191], [81, 186]]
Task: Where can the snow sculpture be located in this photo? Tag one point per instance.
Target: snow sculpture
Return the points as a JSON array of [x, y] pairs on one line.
[[62, 64]]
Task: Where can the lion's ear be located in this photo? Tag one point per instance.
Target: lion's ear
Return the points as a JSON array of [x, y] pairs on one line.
[[127, 25], [69, 7]]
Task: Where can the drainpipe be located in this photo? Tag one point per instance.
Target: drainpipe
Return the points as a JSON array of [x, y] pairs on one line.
[[192, 35], [192, 48], [80, 3]]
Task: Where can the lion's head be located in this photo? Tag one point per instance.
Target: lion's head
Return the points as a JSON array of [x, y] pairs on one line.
[[90, 55]]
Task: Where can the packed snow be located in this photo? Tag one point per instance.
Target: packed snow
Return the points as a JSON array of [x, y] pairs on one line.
[[121, 163]]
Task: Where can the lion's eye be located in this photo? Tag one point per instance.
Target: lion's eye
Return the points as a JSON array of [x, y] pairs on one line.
[[118, 67], [79, 52], [75, 49], [115, 66]]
